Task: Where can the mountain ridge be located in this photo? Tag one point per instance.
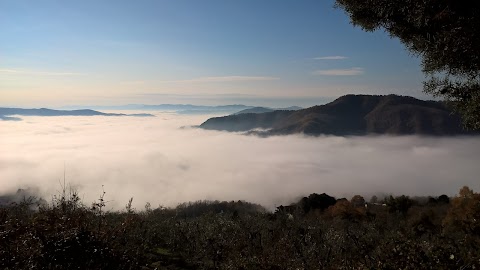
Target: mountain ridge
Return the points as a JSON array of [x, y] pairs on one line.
[[5, 113], [267, 109], [350, 115], [178, 108]]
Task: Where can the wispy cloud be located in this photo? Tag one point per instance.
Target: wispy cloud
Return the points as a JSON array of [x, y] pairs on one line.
[[340, 72], [11, 71], [334, 57], [225, 79]]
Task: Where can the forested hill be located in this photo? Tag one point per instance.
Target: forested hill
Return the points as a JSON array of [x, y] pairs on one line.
[[350, 115], [265, 109]]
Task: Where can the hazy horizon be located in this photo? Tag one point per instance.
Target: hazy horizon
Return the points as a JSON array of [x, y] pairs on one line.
[[265, 53], [212, 102]]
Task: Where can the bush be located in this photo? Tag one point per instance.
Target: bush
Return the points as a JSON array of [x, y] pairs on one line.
[[232, 235]]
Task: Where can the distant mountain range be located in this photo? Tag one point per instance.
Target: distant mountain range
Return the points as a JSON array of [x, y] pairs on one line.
[[6, 113], [178, 108], [187, 108], [349, 115]]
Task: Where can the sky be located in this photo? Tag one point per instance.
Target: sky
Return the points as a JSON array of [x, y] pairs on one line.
[[271, 53]]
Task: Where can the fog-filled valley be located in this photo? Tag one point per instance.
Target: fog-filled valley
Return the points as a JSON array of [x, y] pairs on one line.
[[164, 160], [183, 135]]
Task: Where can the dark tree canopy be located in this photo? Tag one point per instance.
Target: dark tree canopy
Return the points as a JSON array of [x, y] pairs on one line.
[[444, 33], [315, 201]]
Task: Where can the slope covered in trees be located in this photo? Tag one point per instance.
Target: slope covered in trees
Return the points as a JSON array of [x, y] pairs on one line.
[[350, 115], [264, 110]]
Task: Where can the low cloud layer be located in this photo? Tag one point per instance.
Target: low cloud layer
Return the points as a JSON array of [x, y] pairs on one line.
[[155, 160]]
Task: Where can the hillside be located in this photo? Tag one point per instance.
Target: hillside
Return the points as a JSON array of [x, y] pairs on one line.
[[350, 115], [255, 110], [265, 109]]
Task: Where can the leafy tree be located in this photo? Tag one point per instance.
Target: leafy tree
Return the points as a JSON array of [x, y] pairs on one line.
[[443, 33], [399, 204], [357, 201], [347, 210], [464, 213], [316, 201], [443, 199], [432, 200], [465, 192]]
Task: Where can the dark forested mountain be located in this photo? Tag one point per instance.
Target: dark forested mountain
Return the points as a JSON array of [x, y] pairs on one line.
[[350, 115], [6, 112], [255, 110], [265, 109]]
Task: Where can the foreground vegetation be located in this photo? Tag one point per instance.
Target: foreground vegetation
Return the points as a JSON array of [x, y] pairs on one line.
[[318, 232]]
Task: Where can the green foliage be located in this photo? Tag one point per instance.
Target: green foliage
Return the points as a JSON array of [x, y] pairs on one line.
[[357, 201], [238, 235], [465, 212], [399, 204], [445, 34], [316, 201], [347, 210]]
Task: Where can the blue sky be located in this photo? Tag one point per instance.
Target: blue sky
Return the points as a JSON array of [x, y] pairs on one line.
[[270, 52]]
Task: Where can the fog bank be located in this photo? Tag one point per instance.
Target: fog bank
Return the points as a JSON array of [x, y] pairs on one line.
[[155, 160]]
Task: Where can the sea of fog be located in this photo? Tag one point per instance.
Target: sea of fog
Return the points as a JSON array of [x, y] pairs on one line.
[[164, 161]]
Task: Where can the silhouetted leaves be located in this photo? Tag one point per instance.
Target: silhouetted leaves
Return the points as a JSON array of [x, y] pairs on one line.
[[331, 234], [445, 34]]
